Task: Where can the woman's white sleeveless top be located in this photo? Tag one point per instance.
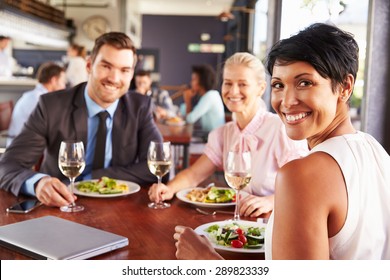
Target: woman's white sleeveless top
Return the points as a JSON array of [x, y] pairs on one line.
[[366, 169]]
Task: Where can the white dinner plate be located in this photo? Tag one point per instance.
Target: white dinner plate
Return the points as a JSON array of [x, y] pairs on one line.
[[201, 230], [133, 188], [182, 196]]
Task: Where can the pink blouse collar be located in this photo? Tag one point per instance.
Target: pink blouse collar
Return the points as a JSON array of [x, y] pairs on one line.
[[248, 139]]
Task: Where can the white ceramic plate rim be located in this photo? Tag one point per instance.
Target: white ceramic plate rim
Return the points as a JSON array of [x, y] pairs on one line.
[[201, 231], [133, 188], [182, 196]]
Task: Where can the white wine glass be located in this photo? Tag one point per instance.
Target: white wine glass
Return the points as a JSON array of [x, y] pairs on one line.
[[71, 161], [238, 175], [159, 163]]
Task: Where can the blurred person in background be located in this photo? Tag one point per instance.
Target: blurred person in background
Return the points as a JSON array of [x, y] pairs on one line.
[[51, 77], [6, 61], [76, 70], [209, 109], [162, 102]]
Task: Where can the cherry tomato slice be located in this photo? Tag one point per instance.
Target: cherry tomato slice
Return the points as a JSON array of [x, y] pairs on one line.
[[239, 231], [242, 238], [237, 244]]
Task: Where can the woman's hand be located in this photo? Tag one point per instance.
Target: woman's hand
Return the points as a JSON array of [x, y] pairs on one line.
[[254, 206], [191, 246], [187, 97], [158, 193]]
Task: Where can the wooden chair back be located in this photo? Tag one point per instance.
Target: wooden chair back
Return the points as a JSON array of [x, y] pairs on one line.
[[6, 114]]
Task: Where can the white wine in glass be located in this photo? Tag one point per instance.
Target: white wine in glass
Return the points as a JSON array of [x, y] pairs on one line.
[[159, 163], [71, 161], [238, 175]]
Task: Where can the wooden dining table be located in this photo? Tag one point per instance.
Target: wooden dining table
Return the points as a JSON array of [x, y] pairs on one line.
[[150, 231]]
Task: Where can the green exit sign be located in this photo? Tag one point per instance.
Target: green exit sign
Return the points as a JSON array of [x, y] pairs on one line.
[[206, 48]]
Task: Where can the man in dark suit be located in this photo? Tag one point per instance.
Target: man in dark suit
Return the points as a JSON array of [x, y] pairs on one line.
[[73, 115]]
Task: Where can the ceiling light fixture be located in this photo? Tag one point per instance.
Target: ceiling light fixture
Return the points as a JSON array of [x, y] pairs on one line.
[[205, 37]]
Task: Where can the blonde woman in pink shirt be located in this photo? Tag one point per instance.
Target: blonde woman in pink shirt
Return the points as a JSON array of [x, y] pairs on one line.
[[263, 133]]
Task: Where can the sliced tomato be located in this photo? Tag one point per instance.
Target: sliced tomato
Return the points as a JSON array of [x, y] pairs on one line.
[[242, 238], [237, 243]]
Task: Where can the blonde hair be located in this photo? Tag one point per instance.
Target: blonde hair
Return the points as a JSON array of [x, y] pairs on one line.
[[248, 60], [253, 63]]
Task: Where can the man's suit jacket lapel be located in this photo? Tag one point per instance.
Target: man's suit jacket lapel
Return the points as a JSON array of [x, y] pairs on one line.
[[80, 116]]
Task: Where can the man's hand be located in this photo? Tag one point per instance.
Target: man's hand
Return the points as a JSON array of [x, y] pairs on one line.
[[52, 192], [161, 113]]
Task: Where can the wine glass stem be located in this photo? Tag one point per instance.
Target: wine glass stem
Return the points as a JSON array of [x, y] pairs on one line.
[[159, 183], [237, 209], [71, 190]]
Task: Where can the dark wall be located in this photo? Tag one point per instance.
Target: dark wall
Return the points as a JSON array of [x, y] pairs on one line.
[[36, 57], [171, 35]]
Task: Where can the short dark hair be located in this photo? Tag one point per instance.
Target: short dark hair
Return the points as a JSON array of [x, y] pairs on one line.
[[3, 37], [80, 50], [47, 71], [117, 40], [142, 73], [332, 52], [206, 76]]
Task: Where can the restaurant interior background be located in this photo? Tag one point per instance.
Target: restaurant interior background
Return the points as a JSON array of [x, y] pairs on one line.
[[173, 35]]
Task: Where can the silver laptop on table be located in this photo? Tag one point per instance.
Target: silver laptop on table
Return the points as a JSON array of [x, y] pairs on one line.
[[54, 238]]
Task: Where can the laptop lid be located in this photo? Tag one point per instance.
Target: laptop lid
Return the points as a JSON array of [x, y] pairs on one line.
[[54, 238]]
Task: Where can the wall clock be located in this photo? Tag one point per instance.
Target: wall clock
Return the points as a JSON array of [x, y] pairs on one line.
[[95, 26]]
